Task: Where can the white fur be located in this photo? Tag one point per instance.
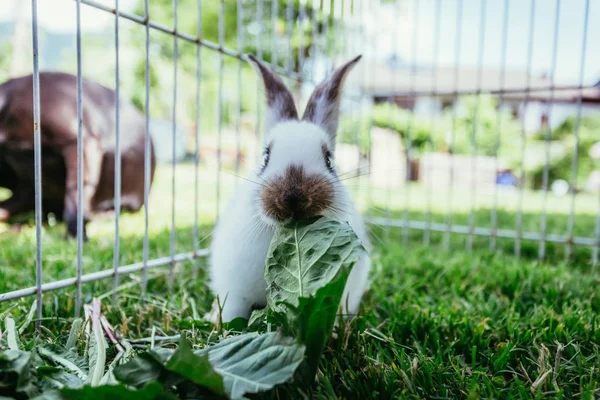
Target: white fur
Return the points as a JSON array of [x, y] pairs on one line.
[[243, 233]]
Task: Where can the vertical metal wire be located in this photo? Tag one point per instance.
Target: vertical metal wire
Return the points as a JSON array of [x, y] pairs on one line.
[[376, 12], [482, 23], [274, 17], [314, 48], [575, 165], [543, 221], [238, 123], [326, 13], [392, 107], [494, 214], [408, 141], [289, 18], [434, 83], [117, 244], [147, 153], [519, 221], [301, 18], [596, 248], [37, 152], [453, 132], [197, 131], [259, 54], [337, 44], [80, 186], [220, 102], [174, 141]]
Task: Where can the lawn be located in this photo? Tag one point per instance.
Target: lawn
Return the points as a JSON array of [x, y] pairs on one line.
[[437, 323]]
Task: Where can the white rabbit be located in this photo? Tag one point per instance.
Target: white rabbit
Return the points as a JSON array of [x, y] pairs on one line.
[[296, 180]]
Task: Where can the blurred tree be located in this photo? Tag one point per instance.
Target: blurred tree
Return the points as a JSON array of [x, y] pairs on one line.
[[273, 36]]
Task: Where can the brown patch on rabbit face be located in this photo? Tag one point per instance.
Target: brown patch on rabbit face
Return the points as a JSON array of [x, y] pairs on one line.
[[296, 196]]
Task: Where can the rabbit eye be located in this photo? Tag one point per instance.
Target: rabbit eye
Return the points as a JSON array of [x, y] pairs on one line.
[[329, 161], [266, 156]]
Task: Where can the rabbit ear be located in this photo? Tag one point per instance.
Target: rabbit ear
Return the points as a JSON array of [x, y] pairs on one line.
[[280, 101], [323, 107]]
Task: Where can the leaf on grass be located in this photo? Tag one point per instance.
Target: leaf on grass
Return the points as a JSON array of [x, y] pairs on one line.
[[56, 378], [147, 367], [152, 391], [74, 333], [313, 322], [11, 334], [29, 317], [257, 318], [305, 257], [236, 324], [253, 363], [16, 371], [67, 359], [171, 368], [97, 347], [195, 368]]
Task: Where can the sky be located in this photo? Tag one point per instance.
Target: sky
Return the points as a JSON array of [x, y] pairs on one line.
[[396, 27], [393, 26]]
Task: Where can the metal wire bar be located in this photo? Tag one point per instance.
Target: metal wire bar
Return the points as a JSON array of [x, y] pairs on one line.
[[519, 219], [289, 20], [482, 231], [274, 43], [314, 50], [466, 92], [238, 120], [117, 244], [80, 187], [175, 4], [107, 273], [482, 23], [361, 41], [545, 178], [139, 19], [504, 45], [37, 153], [197, 154], [596, 248], [408, 141], [220, 103], [336, 44], [326, 11], [575, 165], [259, 53], [453, 132], [388, 212], [434, 79], [301, 18], [147, 155]]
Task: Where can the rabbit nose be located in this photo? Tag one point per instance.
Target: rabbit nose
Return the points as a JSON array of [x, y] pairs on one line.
[[295, 201]]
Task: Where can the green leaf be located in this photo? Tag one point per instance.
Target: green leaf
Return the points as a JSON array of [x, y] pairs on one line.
[[11, 334], [195, 368], [257, 318], [56, 378], [147, 367], [152, 391], [305, 257], [96, 346], [313, 322], [16, 371], [171, 368], [68, 359], [253, 363]]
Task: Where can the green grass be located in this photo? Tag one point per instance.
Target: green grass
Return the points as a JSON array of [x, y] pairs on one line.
[[436, 323]]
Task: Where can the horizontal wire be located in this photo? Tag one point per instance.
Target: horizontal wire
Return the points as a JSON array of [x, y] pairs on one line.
[[107, 273]]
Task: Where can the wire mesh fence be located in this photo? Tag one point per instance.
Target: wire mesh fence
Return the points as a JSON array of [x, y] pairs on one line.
[[441, 152]]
